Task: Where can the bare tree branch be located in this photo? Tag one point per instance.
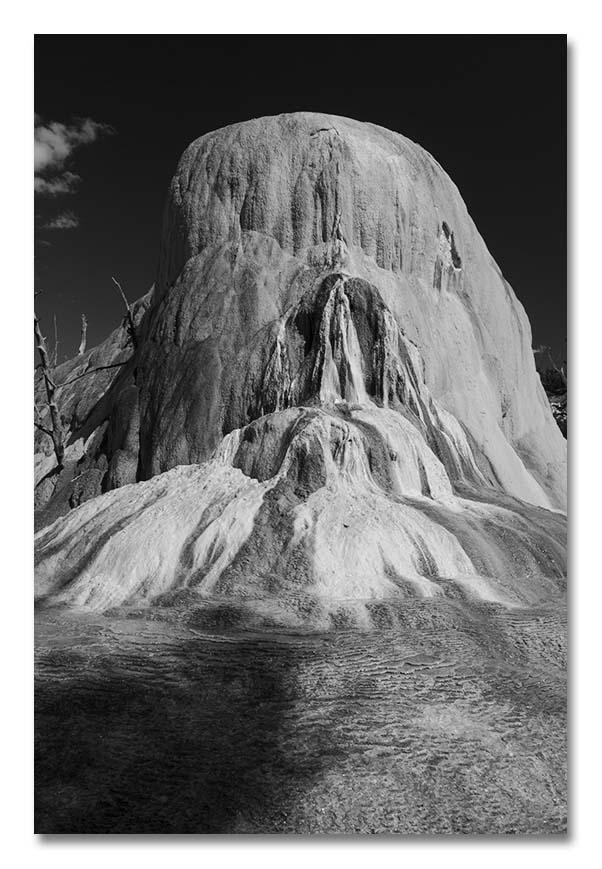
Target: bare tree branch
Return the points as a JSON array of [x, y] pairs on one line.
[[123, 296], [130, 318], [55, 351], [92, 371], [56, 433], [82, 344], [42, 428], [561, 371]]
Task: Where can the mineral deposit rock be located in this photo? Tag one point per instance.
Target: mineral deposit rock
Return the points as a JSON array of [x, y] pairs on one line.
[[334, 356]]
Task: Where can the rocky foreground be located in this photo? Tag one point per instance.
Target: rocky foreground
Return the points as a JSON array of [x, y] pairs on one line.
[[442, 720]]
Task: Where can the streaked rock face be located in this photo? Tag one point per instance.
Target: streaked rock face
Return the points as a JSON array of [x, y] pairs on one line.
[[335, 355], [261, 213]]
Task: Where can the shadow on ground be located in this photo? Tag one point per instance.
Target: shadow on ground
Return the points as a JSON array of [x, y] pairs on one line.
[[196, 739], [444, 720]]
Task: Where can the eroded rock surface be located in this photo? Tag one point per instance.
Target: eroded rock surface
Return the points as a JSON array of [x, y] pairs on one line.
[[333, 397]]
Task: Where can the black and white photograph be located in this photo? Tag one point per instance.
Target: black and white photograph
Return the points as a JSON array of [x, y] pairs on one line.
[[300, 432]]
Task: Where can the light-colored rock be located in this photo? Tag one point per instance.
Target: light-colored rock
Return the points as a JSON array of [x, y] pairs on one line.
[[304, 503], [334, 354], [260, 213]]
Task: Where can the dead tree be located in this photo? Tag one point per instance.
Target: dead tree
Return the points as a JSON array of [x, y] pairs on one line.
[[54, 429], [560, 371], [55, 352], [131, 327], [55, 432], [82, 343]]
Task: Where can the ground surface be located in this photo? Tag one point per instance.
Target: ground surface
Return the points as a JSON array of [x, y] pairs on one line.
[[441, 720]]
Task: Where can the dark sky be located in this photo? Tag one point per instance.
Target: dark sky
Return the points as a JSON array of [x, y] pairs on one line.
[[491, 110]]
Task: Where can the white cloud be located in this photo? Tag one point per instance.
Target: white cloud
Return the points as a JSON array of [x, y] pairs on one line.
[[55, 142], [53, 145], [66, 220], [64, 183]]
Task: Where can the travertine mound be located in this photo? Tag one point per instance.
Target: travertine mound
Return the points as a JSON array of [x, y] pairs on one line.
[[259, 213], [329, 335], [290, 518]]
